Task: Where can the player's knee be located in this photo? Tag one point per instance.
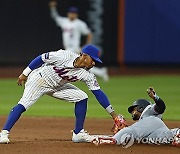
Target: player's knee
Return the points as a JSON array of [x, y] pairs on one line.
[[126, 140], [82, 96], [25, 106]]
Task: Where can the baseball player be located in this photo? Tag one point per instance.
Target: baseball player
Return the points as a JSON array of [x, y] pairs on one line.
[[148, 129], [51, 74], [72, 30]]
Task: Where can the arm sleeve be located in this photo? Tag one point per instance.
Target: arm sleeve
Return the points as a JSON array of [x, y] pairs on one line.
[[101, 97], [160, 106], [37, 62], [54, 15]]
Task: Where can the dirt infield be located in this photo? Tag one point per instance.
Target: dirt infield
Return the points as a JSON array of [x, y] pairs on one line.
[[53, 136]]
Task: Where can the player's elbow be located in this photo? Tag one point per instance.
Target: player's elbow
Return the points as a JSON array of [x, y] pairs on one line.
[[160, 109], [160, 106]]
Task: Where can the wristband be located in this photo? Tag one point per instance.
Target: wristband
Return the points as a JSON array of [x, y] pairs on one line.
[[156, 97], [27, 71], [109, 109]]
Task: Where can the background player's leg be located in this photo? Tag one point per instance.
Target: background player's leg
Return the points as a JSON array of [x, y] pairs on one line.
[[100, 72]]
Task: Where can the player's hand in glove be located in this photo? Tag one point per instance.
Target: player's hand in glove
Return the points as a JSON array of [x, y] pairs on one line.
[[21, 80], [151, 92], [119, 123]]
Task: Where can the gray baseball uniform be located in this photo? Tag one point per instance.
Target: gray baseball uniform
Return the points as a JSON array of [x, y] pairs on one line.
[[149, 129]]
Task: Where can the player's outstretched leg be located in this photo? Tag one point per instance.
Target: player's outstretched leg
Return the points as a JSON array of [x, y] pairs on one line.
[[12, 118], [100, 72]]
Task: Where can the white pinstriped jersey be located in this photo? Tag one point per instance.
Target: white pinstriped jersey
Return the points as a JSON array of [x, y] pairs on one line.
[[72, 30], [58, 69]]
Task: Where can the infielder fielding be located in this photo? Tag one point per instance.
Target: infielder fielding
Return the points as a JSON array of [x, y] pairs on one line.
[[148, 129], [72, 30], [51, 74]]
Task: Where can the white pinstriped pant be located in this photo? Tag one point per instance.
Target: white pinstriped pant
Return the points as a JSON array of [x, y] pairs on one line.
[[36, 87]]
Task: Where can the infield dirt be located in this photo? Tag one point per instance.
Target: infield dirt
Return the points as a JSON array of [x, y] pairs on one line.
[[36, 135]]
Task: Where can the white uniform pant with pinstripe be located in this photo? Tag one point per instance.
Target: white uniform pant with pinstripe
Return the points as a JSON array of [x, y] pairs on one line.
[[36, 86]]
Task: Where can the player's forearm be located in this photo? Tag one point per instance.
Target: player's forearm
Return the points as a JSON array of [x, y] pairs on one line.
[[103, 100], [33, 65], [160, 106], [54, 13], [89, 38]]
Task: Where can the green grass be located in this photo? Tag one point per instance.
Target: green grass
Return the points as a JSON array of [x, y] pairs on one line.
[[121, 91]]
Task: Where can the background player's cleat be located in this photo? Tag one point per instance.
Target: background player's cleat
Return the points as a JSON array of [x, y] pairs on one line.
[[176, 141], [105, 75], [82, 136], [101, 141], [4, 137]]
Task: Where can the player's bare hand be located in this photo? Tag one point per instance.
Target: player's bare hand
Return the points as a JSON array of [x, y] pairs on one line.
[[21, 80], [151, 92], [52, 3]]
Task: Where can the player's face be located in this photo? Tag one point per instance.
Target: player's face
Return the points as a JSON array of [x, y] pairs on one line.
[[88, 61], [135, 114], [72, 15], [84, 61]]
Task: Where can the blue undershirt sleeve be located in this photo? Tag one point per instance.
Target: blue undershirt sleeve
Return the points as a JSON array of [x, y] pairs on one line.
[[101, 97], [37, 62]]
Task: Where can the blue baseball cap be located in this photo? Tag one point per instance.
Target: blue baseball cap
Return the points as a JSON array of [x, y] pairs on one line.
[[92, 51], [73, 9]]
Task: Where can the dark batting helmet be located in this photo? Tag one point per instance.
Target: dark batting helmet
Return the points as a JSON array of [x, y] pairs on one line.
[[141, 104]]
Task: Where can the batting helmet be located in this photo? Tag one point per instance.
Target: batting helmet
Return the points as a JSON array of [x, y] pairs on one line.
[[141, 104]]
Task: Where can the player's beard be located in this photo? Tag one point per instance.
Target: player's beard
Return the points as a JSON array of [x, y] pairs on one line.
[[135, 117]]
